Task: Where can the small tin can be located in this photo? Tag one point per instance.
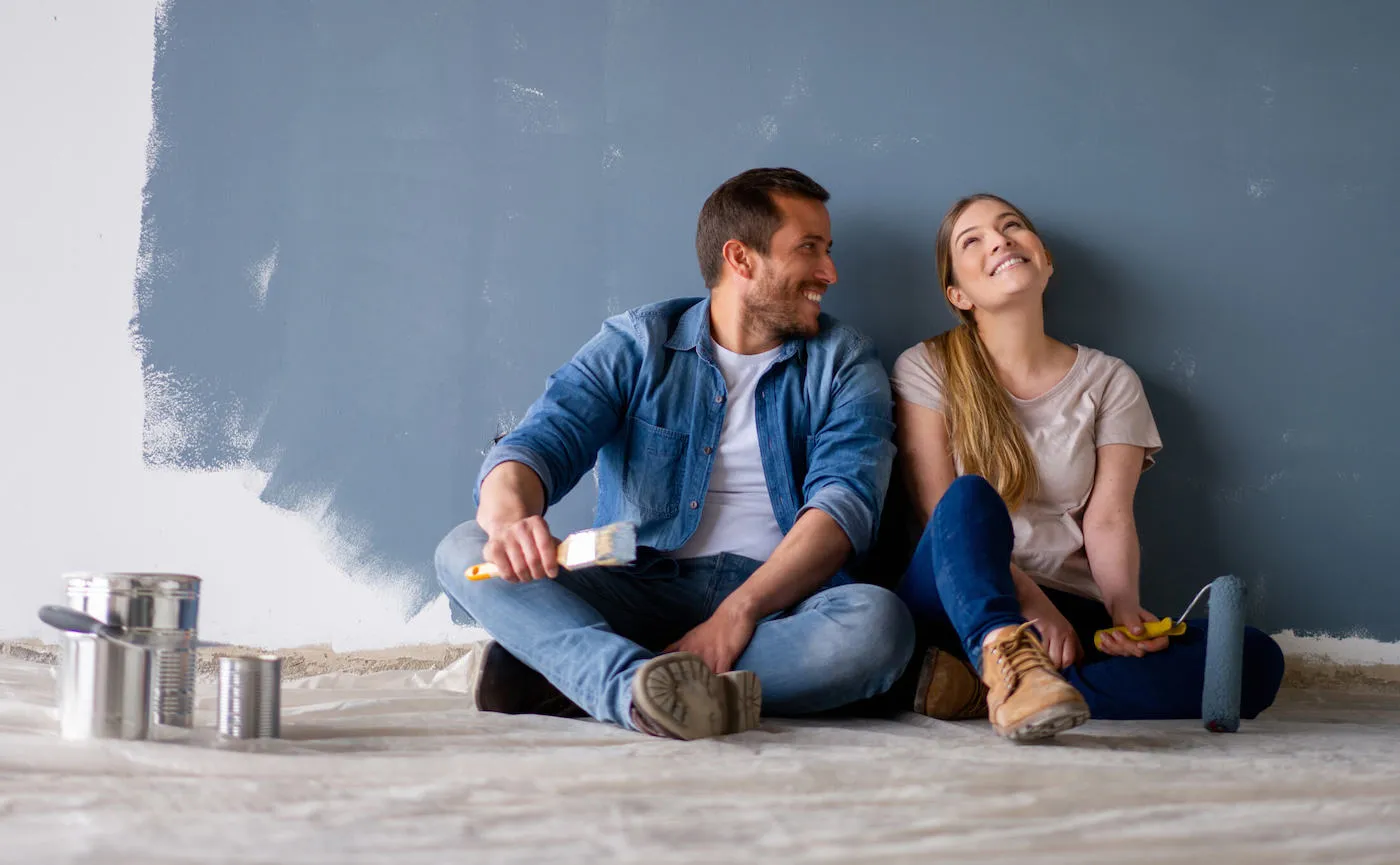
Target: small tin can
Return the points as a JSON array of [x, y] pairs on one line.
[[250, 696]]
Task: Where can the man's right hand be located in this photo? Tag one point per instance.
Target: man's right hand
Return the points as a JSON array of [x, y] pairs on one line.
[[523, 550]]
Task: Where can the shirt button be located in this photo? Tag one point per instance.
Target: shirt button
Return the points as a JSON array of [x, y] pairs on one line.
[[708, 450], [694, 505], [719, 398]]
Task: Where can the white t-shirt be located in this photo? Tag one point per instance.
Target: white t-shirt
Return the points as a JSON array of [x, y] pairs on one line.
[[738, 513], [1100, 401]]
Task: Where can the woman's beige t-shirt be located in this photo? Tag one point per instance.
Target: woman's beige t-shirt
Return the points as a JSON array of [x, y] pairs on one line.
[[1100, 401]]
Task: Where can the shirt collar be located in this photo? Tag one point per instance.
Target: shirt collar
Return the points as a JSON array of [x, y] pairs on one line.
[[692, 333]]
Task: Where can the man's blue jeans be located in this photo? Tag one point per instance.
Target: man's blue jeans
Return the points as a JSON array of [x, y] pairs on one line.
[[958, 586], [589, 630]]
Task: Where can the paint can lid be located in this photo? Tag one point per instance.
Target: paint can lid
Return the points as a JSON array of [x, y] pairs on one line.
[[166, 585]]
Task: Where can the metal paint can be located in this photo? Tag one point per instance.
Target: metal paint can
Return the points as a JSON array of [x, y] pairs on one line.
[[157, 611], [104, 688], [250, 696]]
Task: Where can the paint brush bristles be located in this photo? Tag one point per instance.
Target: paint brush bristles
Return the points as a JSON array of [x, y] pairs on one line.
[[607, 546], [610, 545]]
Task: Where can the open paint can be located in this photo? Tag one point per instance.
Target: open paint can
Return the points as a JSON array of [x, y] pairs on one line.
[[157, 612], [104, 688]]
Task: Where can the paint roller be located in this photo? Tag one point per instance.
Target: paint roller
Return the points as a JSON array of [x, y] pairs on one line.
[[1220, 695], [1220, 698]]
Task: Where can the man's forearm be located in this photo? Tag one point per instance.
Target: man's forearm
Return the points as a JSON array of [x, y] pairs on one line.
[[510, 493], [808, 556]]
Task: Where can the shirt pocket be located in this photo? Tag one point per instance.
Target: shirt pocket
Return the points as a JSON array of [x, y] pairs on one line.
[[652, 468]]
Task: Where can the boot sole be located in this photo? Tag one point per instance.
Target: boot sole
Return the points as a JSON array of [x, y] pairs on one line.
[[744, 695], [1047, 723], [680, 694]]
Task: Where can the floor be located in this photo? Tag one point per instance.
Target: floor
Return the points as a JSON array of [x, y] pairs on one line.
[[393, 766]]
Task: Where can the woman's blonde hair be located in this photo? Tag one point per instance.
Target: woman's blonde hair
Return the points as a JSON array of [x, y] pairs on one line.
[[986, 439]]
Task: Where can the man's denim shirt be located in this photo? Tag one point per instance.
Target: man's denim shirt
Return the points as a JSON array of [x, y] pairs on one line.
[[645, 398]]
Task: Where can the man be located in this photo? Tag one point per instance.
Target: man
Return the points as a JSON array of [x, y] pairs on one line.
[[748, 437]]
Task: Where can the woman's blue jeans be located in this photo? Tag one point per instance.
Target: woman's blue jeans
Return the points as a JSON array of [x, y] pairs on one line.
[[959, 588]]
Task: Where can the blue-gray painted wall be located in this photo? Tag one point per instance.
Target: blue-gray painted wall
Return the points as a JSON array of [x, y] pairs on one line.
[[458, 193]]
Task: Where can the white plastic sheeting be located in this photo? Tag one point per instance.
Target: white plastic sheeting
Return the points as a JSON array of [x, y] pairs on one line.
[[396, 767]]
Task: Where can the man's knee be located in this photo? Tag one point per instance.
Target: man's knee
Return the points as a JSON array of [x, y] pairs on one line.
[[458, 551], [455, 553], [878, 633]]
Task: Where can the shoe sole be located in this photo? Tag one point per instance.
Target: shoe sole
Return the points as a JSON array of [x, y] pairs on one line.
[[679, 693], [1047, 723], [744, 695]]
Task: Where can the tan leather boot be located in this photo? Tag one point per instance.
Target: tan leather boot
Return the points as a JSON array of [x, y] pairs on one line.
[[949, 689], [1029, 698]]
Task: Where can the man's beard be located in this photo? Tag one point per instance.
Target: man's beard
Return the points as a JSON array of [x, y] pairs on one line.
[[775, 310]]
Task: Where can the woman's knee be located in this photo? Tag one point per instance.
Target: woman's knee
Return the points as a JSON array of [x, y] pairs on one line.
[[971, 501], [970, 491]]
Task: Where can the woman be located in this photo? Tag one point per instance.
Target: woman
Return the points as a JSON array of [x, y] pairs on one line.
[[1020, 456]]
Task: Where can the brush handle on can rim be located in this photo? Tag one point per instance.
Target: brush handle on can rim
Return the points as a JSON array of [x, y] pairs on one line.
[[76, 621]]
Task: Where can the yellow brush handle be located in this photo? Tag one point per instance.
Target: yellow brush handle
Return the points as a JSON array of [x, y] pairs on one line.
[[477, 573], [486, 570], [1150, 631]]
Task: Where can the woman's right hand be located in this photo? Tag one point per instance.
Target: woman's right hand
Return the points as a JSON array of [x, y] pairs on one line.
[[1061, 641]]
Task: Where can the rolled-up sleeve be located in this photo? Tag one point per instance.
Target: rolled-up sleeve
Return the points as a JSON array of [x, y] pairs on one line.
[[580, 410], [849, 466]]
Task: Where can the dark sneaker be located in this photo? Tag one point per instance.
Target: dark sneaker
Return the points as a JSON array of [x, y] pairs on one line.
[[507, 685], [675, 696]]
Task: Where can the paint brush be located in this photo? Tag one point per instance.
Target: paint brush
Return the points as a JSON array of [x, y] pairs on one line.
[[614, 544]]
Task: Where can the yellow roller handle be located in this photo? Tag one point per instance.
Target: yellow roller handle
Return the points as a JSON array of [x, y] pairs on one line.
[[1150, 631]]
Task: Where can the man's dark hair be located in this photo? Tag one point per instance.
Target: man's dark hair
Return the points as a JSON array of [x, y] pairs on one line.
[[743, 209]]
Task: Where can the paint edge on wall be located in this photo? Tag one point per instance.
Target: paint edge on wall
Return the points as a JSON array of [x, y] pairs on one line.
[[181, 415], [1354, 664], [80, 496], [1358, 651]]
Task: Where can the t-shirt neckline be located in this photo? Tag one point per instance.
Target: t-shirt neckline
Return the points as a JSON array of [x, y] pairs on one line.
[[1081, 357]]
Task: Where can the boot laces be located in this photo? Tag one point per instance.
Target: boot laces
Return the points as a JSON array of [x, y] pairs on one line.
[[1019, 654]]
